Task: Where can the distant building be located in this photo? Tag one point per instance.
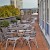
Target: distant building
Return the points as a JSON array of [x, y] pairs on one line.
[[17, 3], [44, 18]]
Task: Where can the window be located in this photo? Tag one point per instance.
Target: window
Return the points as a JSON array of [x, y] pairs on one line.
[[46, 11], [42, 24], [47, 29], [47, 15], [16, 2], [12, 2]]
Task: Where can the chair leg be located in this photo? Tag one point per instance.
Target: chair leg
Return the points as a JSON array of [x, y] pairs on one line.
[[32, 42], [25, 42], [36, 43], [29, 45], [6, 45], [14, 45]]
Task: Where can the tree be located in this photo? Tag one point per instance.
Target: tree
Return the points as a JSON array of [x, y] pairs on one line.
[[8, 11]]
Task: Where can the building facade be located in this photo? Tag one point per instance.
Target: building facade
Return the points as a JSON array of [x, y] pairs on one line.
[[17, 3], [44, 18]]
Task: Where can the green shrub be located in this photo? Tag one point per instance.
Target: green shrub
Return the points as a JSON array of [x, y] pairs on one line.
[[13, 21], [4, 23]]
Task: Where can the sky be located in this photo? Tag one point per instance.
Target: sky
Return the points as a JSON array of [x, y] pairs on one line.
[[30, 3], [4, 2], [26, 3]]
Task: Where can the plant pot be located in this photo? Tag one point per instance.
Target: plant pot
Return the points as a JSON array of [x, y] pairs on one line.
[[18, 21]]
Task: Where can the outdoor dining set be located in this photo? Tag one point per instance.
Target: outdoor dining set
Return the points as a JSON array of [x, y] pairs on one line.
[[20, 32]]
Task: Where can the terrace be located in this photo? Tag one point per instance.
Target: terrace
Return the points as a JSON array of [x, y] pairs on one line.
[[25, 35]]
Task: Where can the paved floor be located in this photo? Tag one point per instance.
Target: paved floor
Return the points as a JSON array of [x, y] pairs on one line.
[[40, 39]]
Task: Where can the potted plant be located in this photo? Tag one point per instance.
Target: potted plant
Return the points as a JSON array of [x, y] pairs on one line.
[[18, 18], [4, 23], [14, 21]]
